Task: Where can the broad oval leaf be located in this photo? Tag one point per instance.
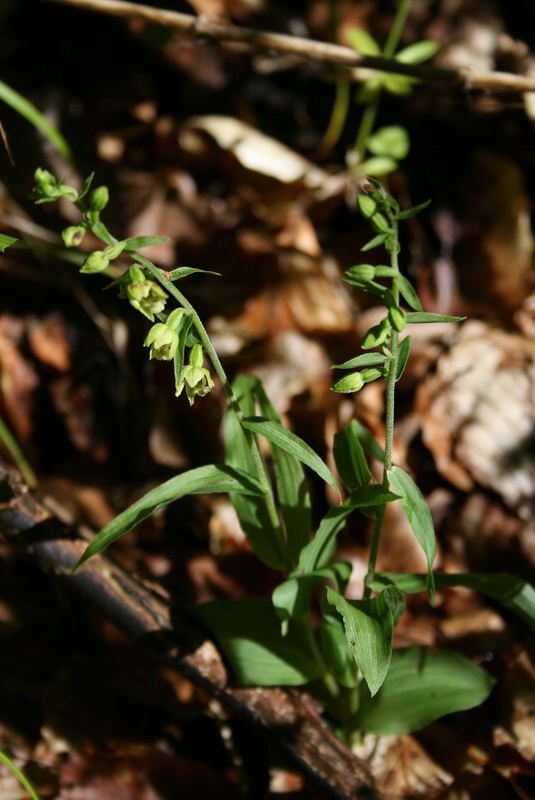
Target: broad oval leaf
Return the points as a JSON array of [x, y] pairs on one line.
[[418, 52], [369, 627], [419, 517], [378, 166], [203, 480], [421, 686], [392, 141], [361, 41], [292, 444], [248, 632]]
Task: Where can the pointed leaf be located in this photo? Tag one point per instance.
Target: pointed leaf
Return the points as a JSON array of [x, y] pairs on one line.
[[418, 52], [369, 627], [403, 356], [293, 496], [139, 242], [375, 242], [183, 272], [511, 591], [320, 550], [252, 512], [369, 444], [419, 517], [288, 441], [6, 241], [350, 460], [421, 686], [206, 480], [429, 316], [86, 187], [411, 212], [366, 286], [336, 652], [248, 632], [365, 360], [291, 598], [409, 293]]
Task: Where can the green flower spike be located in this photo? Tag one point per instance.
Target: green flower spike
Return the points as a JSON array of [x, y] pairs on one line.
[[194, 376], [163, 337], [143, 294]]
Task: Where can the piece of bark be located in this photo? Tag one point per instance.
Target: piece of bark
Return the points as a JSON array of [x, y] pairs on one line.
[[289, 716]]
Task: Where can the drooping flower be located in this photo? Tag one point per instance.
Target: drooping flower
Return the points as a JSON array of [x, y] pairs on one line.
[[194, 377], [163, 342], [143, 294]]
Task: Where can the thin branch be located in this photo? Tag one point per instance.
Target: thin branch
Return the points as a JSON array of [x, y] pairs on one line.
[[307, 49], [289, 717]]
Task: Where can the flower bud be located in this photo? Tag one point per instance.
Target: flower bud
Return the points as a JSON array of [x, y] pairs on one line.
[[99, 198], [376, 336], [367, 205], [398, 318], [174, 320], [43, 177], [73, 236], [95, 262], [163, 342], [380, 223], [349, 383], [362, 272]]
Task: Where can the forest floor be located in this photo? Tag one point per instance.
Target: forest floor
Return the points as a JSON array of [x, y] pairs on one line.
[[176, 127]]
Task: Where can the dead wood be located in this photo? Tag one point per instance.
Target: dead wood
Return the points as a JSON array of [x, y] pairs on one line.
[[308, 49], [289, 717]]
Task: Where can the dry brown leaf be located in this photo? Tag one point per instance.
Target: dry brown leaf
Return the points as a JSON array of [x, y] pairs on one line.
[[517, 695], [478, 412], [18, 379], [48, 341]]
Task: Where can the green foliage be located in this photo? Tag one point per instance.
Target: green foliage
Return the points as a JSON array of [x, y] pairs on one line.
[[19, 775], [273, 642]]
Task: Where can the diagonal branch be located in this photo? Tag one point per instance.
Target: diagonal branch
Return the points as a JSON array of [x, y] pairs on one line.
[[307, 49], [289, 717]]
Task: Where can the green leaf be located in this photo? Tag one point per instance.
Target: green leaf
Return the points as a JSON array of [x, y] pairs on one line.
[[292, 444], [398, 84], [378, 166], [429, 316], [27, 110], [369, 444], [6, 241], [361, 41], [320, 550], [86, 187], [411, 212], [248, 632], [511, 591], [206, 480], [375, 242], [19, 775], [369, 627], [291, 598], [350, 458], [367, 205], [293, 496], [139, 242], [366, 286], [408, 293], [418, 52], [183, 272], [252, 512], [335, 649], [392, 141], [365, 360], [403, 356], [421, 686], [419, 517]]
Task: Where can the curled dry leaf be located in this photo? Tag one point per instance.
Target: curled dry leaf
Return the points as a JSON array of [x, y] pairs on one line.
[[478, 412]]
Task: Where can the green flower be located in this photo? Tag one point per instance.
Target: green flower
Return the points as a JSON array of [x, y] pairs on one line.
[[194, 376], [163, 342], [146, 296], [73, 236]]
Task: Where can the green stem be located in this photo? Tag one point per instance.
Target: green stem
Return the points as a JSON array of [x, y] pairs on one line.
[[23, 780], [331, 685], [389, 424], [17, 454], [396, 30], [252, 441]]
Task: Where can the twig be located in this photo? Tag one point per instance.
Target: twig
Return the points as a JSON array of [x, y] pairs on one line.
[[322, 52], [289, 717]]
